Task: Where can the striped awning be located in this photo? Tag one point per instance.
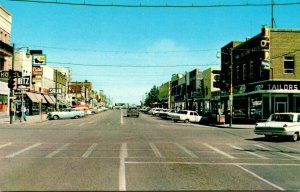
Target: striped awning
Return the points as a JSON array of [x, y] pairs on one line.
[[40, 98], [48, 98], [32, 97]]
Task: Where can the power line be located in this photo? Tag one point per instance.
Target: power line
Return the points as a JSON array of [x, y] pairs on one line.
[[127, 66], [118, 51], [160, 6]]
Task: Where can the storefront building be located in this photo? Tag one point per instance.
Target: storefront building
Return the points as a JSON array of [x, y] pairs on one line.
[[265, 74], [6, 52]]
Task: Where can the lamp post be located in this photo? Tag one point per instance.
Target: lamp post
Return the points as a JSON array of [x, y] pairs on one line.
[[11, 92]]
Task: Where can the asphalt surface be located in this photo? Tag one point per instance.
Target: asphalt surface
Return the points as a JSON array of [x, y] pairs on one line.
[[109, 152]]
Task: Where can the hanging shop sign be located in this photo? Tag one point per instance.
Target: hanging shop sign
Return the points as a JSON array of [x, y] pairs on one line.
[[37, 71], [38, 59]]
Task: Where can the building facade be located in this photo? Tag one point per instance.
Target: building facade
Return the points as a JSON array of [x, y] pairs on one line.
[[265, 74], [6, 52]]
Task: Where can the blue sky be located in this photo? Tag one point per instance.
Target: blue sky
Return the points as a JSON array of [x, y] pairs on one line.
[[143, 37]]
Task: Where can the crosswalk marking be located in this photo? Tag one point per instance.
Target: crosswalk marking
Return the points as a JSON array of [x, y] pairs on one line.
[[23, 150], [279, 152], [219, 151], [89, 150], [249, 152], [155, 150], [57, 150], [5, 145], [193, 155]]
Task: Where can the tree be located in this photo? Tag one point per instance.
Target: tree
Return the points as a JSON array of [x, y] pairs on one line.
[[152, 96]]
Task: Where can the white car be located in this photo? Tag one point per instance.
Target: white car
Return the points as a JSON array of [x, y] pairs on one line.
[[280, 124], [186, 116], [66, 113]]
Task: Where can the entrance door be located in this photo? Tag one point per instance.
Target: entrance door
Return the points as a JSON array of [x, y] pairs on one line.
[[281, 107]]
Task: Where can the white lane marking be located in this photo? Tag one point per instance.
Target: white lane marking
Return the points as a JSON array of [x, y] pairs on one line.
[[281, 153], [122, 171], [155, 150], [262, 147], [260, 178], [68, 124], [82, 124], [219, 151], [89, 150], [5, 145], [249, 152], [122, 120], [23, 150], [290, 148], [288, 155], [57, 150], [205, 163], [193, 155]]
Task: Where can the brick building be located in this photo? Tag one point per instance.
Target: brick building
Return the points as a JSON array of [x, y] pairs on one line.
[[265, 74]]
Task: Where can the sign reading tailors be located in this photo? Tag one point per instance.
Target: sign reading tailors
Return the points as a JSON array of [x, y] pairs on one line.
[[38, 59]]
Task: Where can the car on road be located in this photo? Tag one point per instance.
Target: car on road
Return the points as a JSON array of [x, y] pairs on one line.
[[280, 124], [66, 114], [132, 112], [186, 116], [163, 113]]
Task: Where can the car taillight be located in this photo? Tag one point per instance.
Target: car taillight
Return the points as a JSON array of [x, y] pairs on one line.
[[285, 125]]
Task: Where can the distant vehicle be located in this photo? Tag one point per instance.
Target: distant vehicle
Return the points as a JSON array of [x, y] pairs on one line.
[[156, 111], [280, 124], [66, 114], [163, 113], [186, 116], [132, 112]]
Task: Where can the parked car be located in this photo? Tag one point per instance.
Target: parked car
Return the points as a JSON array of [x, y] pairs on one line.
[[66, 113], [170, 113], [132, 112], [186, 116], [280, 124], [163, 113]]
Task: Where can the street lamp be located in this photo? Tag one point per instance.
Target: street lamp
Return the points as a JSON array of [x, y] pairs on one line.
[[11, 94]]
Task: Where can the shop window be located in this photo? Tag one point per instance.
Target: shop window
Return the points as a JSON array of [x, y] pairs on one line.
[[237, 72], [251, 69], [289, 64], [256, 108], [244, 71]]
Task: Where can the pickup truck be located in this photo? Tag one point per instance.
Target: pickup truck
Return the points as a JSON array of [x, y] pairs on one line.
[[186, 116], [66, 113]]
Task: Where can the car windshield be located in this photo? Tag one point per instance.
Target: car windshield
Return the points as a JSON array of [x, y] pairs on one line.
[[282, 117]]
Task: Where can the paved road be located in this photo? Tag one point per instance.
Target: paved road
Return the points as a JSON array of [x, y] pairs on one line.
[[107, 151]]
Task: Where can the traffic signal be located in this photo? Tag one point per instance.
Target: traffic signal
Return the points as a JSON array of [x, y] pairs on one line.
[[11, 73], [11, 83]]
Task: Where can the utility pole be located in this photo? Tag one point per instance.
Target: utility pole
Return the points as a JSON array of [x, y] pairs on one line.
[[272, 13], [231, 89], [11, 91]]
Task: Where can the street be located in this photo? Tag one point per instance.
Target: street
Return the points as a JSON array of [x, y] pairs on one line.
[[107, 151]]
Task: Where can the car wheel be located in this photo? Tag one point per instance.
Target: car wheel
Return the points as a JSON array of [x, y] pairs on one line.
[[186, 121], [295, 137], [55, 117], [175, 121], [76, 117]]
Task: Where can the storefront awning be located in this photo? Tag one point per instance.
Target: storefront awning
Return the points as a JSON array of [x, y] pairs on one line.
[[48, 98], [53, 98], [41, 98], [32, 97]]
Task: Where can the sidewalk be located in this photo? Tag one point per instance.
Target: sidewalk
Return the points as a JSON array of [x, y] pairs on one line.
[[4, 119], [236, 126]]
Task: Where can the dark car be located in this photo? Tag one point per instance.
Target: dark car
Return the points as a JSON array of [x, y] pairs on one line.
[[132, 112]]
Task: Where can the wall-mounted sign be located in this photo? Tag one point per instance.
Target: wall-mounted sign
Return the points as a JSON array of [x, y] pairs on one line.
[[55, 90], [38, 60], [25, 81], [37, 71]]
